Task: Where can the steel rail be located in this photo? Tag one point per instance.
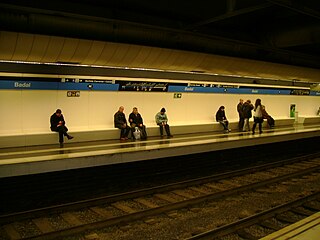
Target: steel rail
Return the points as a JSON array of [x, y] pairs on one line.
[[167, 208], [148, 191], [249, 221]]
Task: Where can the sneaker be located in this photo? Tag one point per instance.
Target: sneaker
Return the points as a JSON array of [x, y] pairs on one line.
[[69, 137]]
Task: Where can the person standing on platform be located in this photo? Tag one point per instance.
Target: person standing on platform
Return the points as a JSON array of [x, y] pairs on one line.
[[240, 112], [258, 117], [120, 122], [247, 114], [222, 119], [57, 124], [136, 120], [162, 121]]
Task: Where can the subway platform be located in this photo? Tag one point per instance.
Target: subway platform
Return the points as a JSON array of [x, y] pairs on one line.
[[306, 229], [49, 158]]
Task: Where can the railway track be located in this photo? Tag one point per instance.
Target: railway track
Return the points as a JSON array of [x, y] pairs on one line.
[[70, 219], [287, 212]]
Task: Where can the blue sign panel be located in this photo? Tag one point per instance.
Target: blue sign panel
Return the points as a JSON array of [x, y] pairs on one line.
[[88, 86], [35, 85], [195, 89], [28, 85], [314, 93], [199, 89]]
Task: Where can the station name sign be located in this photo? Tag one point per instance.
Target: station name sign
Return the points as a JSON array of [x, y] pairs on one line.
[[137, 86], [37, 85], [22, 85]]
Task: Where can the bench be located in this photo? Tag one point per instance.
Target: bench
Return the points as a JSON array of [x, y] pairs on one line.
[[308, 119], [85, 135]]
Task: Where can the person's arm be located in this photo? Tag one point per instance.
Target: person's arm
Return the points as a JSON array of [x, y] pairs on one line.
[[131, 118], [62, 121], [117, 119], [52, 122], [217, 117], [158, 121], [165, 118]]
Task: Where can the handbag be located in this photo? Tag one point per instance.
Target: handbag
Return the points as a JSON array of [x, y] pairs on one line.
[[137, 133]]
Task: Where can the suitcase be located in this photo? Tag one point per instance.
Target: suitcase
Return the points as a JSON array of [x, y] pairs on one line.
[[270, 121]]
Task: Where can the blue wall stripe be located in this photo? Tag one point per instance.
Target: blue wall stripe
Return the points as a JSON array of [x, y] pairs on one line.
[[31, 85]]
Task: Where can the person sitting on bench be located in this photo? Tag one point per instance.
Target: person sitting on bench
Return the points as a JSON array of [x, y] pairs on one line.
[[59, 125]]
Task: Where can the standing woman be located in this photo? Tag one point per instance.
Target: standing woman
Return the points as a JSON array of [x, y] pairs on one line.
[[258, 118]]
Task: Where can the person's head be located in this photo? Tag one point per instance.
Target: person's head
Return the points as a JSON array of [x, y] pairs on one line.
[[221, 108], [135, 110], [248, 101], [162, 111], [121, 109], [58, 112], [258, 102], [241, 100]]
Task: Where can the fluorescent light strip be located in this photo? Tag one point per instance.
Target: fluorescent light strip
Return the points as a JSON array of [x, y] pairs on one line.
[[148, 79]]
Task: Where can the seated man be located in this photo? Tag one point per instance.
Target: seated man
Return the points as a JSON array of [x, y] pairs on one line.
[[59, 125], [136, 120], [120, 122], [222, 119], [162, 121]]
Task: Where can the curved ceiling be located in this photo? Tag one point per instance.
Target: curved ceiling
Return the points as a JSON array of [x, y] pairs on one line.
[[276, 39], [52, 49]]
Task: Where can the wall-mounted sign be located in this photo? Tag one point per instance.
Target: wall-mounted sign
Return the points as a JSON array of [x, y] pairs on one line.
[[73, 93], [143, 86], [300, 92], [177, 95]]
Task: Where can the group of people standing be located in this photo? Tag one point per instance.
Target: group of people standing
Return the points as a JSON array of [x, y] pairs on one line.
[[245, 113]]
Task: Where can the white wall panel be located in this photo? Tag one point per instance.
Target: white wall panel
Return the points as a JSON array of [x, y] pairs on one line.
[[37, 107], [30, 110], [101, 107], [74, 109], [11, 111]]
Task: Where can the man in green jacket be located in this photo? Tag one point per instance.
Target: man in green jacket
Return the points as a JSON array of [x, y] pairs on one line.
[[162, 121]]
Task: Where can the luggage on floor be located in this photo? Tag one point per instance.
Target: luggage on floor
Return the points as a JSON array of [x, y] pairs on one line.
[[270, 121]]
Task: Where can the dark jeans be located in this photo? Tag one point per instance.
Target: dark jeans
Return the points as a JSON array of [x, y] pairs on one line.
[[259, 121], [241, 123], [224, 124], [62, 130], [125, 130], [167, 128]]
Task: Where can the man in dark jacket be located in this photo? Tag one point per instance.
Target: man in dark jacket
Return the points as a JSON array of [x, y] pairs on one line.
[[240, 112], [222, 119], [59, 125], [247, 114], [120, 122], [136, 120]]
